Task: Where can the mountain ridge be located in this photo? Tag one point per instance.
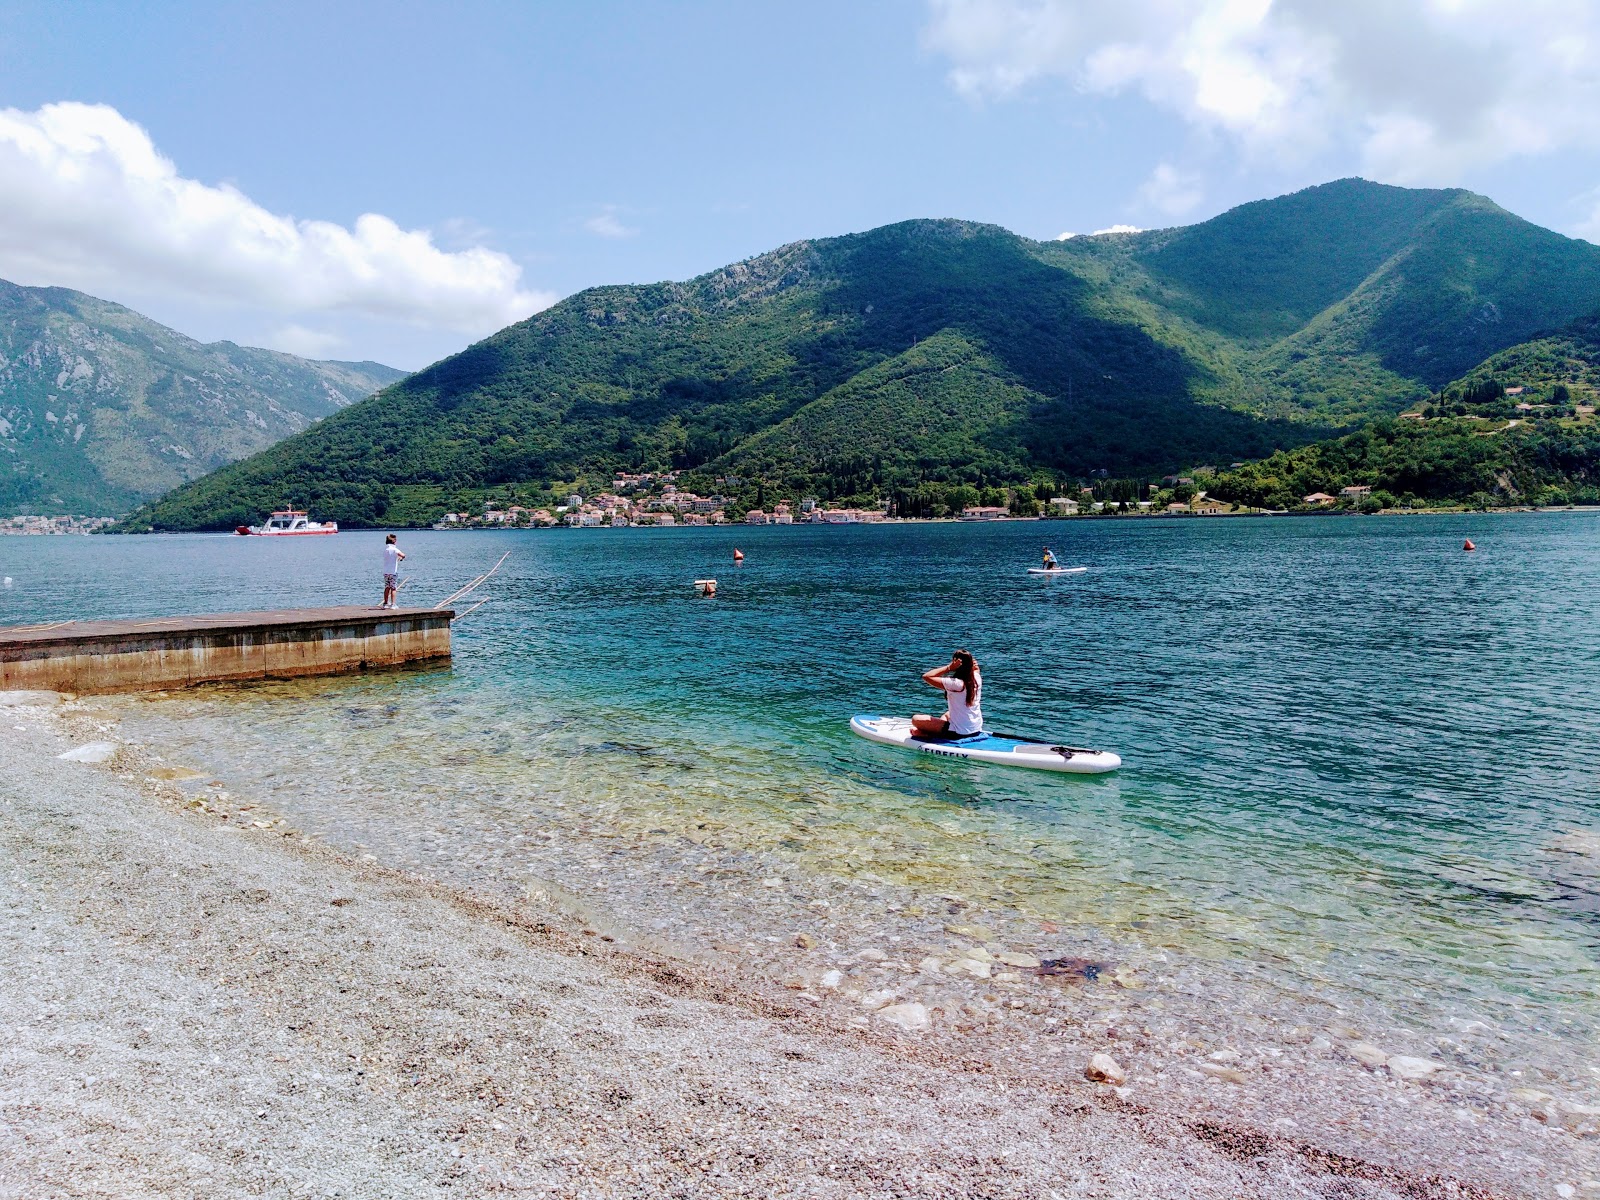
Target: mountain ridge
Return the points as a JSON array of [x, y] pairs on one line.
[[1105, 362], [102, 408]]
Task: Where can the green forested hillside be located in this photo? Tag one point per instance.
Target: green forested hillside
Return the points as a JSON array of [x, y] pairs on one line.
[[101, 408], [1454, 460], [1476, 444], [949, 351]]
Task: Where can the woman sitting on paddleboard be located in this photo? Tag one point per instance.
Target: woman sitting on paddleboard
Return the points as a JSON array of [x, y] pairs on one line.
[[962, 686]]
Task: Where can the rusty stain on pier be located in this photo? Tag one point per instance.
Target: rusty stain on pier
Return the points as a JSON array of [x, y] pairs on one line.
[[169, 652]]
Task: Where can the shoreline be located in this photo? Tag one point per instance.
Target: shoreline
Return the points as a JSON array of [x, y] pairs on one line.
[[1508, 510], [967, 1095]]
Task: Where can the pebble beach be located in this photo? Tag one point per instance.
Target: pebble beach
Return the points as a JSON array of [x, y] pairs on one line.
[[204, 1001]]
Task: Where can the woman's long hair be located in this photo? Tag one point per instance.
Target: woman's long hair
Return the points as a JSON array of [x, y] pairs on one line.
[[966, 670]]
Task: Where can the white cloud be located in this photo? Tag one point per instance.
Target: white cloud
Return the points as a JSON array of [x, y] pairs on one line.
[[1171, 191], [87, 201], [607, 224], [1416, 90], [307, 343], [1067, 237]]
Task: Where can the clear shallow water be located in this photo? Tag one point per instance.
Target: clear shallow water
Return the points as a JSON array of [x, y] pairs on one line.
[[1349, 746]]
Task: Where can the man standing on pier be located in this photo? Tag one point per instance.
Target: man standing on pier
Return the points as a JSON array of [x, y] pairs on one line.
[[393, 556]]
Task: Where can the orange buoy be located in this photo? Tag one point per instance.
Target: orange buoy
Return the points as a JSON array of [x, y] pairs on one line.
[[738, 556], [1468, 545]]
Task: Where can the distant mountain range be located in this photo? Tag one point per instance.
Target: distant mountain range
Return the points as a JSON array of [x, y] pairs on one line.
[[101, 408], [936, 352]]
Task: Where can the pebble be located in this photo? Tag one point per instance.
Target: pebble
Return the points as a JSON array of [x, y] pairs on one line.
[[872, 955], [831, 979], [1103, 1068], [931, 965], [1218, 1071], [876, 999], [1402, 1066], [1367, 1055], [91, 752], [908, 1016], [805, 941], [968, 966]]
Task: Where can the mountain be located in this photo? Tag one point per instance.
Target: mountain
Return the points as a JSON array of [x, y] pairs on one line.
[[938, 351], [1518, 428], [101, 408]]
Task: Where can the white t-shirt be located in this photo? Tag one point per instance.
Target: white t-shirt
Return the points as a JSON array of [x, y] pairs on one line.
[[391, 560], [964, 717]]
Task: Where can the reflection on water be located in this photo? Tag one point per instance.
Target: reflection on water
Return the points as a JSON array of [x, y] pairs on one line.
[[1349, 747]]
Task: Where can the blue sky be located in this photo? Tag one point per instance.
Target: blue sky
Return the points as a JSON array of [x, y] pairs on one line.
[[211, 164]]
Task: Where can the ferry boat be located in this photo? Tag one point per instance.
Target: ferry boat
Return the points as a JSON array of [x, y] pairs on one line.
[[288, 522]]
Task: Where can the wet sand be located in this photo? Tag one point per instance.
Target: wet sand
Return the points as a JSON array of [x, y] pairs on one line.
[[204, 1002]]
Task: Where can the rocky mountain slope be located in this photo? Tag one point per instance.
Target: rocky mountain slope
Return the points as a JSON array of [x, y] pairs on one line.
[[101, 408]]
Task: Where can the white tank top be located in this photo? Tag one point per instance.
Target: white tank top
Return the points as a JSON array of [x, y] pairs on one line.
[[964, 717]]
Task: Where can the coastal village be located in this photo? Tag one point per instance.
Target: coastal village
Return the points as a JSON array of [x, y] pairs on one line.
[[656, 499]]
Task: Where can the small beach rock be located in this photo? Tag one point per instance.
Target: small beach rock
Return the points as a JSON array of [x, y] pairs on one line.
[[1403, 1066], [831, 979], [1103, 1068], [911, 1016], [1018, 960], [872, 955], [969, 966], [1224, 1073], [931, 965], [1007, 977], [91, 752], [1367, 1055], [976, 932], [876, 999], [805, 941]]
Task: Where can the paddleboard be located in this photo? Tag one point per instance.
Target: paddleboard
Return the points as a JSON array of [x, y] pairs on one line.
[[1001, 748], [1056, 570]]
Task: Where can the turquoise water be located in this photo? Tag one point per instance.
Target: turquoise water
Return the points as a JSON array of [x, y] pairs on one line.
[[1352, 751]]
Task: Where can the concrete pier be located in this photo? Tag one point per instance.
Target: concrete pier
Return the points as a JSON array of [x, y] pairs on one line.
[[173, 652]]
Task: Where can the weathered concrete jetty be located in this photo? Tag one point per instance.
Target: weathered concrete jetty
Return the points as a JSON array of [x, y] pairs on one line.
[[173, 652]]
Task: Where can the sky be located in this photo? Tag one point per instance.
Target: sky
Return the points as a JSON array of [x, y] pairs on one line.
[[395, 180]]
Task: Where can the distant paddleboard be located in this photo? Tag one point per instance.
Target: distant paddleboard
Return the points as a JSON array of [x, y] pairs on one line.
[[1056, 570], [1003, 749]]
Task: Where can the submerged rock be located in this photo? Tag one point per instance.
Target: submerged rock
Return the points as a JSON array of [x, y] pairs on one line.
[[909, 1016], [1018, 960], [1367, 1055], [1403, 1066], [1076, 968], [1103, 1068]]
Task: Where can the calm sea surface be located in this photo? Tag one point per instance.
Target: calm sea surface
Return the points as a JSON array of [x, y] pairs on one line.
[[1352, 751]]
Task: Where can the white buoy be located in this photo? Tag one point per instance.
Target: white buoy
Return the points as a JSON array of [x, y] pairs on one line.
[[7, 581]]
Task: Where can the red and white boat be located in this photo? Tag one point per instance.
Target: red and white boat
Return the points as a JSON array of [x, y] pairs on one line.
[[288, 522]]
